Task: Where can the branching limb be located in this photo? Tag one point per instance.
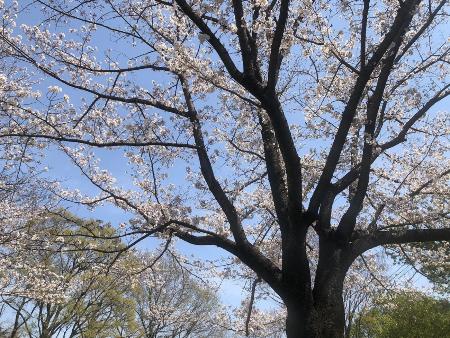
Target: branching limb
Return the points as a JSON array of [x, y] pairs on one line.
[[120, 143], [276, 54], [370, 241], [353, 174], [212, 39], [255, 260], [394, 36], [208, 172], [348, 221], [250, 306], [275, 170]]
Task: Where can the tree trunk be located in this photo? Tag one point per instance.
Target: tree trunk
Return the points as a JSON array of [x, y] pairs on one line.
[[298, 322], [325, 319], [46, 333], [324, 315], [329, 320]]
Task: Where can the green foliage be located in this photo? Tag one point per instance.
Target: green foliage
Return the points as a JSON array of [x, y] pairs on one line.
[[105, 300], [405, 315]]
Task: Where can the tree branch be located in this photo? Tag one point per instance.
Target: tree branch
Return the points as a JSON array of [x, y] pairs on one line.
[[395, 35], [353, 174], [212, 39], [208, 172], [275, 170], [275, 52], [250, 306], [348, 221], [253, 259], [119, 143], [378, 238]]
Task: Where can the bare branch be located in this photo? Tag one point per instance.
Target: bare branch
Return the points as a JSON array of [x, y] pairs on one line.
[[119, 143]]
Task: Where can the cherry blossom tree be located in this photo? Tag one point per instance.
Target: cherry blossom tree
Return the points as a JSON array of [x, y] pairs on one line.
[[430, 260], [366, 280], [22, 198], [294, 135]]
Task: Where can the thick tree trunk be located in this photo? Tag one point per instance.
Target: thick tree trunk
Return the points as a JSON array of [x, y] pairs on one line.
[[298, 322], [329, 321], [325, 319], [321, 315]]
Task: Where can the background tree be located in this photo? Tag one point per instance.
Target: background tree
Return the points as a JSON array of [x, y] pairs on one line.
[[289, 123], [106, 295], [366, 280], [92, 303], [170, 303], [407, 314]]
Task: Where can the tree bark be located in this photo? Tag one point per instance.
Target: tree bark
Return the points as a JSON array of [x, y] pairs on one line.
[[323, 316], [298, 321], [323, 320], [329, 321]]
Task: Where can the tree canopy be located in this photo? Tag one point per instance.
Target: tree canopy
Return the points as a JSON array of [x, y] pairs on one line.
[[405, 315], [132, 299], [294, 135]]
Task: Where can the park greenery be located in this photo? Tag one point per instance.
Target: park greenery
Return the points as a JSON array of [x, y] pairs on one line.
[[404, 315], [133, 299]]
